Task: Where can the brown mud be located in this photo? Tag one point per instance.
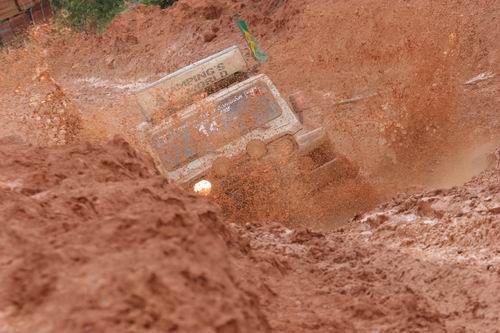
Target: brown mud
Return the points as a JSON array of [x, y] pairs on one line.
[[93, 239]]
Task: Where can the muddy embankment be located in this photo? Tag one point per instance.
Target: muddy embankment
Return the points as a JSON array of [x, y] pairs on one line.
[[94, 239]]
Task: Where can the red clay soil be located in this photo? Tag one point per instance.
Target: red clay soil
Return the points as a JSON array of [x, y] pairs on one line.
[[428, 262], [92, 239], [95, 241]]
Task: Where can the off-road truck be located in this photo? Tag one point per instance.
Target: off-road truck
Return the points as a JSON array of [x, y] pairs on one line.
[[206, 119]]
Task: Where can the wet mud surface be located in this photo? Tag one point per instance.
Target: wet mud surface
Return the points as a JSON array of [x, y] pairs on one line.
[[94, 239]]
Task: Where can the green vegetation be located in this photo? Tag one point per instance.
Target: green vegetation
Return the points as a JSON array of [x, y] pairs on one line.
[[161, 3], [94, 15], [91, 15]]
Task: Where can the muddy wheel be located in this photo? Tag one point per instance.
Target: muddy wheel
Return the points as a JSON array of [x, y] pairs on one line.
[[256, 149]]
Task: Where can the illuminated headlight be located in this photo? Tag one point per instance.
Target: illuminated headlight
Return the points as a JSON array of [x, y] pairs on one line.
[[203, 187]]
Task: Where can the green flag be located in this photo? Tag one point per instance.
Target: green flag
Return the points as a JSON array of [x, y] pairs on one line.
[[257, 53]]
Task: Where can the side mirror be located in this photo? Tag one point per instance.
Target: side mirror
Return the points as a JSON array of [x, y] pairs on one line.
[[299, 104]]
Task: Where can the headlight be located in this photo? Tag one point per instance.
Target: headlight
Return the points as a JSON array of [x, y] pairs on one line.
[[203, 187]]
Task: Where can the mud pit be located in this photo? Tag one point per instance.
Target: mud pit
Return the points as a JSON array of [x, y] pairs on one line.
[[93, 239]]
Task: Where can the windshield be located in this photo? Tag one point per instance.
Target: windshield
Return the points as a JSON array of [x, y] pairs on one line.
[[213, 126]]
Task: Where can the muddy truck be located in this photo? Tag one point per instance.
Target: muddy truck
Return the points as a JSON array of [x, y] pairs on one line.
[[206, 122]]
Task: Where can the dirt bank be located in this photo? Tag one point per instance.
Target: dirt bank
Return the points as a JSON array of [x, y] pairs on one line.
[[95, 240], [428, 262]]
